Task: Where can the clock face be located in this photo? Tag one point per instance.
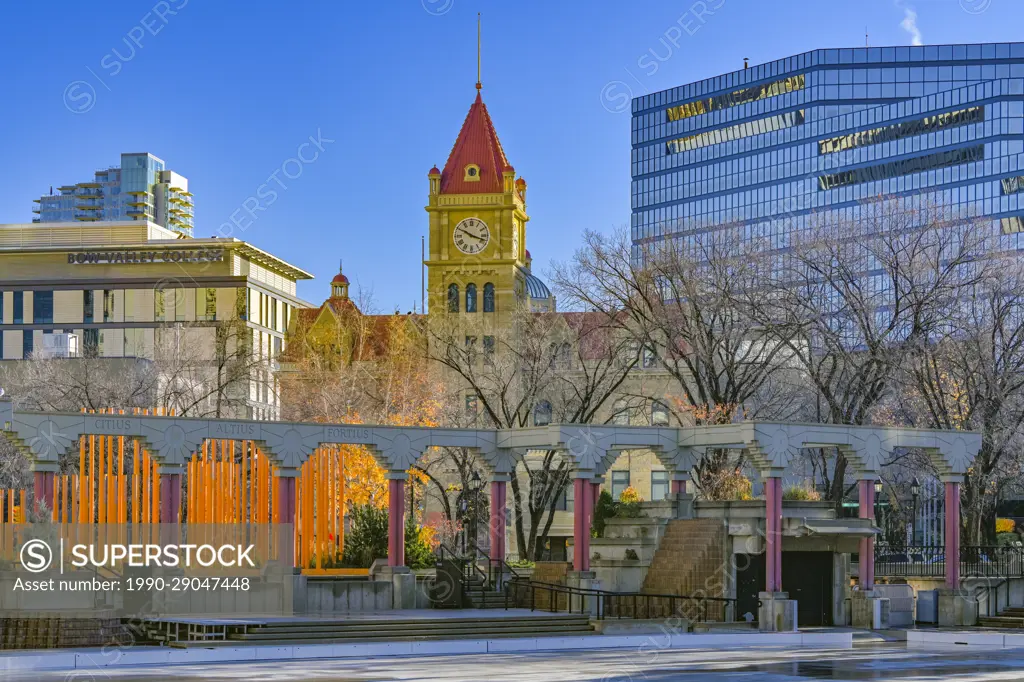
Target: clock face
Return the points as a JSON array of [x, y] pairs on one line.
[[471, 235]]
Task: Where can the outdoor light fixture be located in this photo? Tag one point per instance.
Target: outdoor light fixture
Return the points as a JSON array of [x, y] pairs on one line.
[[915, 492], [878, 487], [474, 483]]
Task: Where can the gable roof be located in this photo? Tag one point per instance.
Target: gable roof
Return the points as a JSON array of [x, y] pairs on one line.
[[477, 143]]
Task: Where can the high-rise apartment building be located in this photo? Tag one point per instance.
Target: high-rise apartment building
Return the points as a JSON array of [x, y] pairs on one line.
[[762, 150], [139, 189]]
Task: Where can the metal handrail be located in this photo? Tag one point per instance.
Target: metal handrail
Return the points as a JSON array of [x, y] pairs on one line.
[[469, 570], [497, 581], [609, 604]]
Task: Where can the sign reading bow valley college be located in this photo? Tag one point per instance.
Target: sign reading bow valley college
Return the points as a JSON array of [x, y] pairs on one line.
[[143, 256]]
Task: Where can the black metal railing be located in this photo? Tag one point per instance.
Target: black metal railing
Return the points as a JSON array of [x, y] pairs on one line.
[[604, 604], [474, 579], [929, 561]]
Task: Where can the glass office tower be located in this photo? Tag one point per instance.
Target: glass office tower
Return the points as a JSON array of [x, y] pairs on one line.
[[139, 189], [762, 150]]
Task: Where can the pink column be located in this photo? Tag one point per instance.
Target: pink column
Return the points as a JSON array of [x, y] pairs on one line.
[[42, 489], [866, 496], [588, 491], [286, 515], [396, 521], [773, 533], [497, 525], [952, 534], [170, 498], [286, 499], [678, 487], [580, 559], [176, 500]]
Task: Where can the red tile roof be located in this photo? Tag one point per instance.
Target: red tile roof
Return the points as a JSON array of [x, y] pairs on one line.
[[477, 143]]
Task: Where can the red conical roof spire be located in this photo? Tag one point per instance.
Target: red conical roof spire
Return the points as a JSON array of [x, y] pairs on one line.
[[477, 144]]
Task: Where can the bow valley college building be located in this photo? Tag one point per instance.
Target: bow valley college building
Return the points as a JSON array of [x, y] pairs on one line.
[[132, 291], [762, 150]]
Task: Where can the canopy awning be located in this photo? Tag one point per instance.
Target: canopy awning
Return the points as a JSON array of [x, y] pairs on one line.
[[857, 527]]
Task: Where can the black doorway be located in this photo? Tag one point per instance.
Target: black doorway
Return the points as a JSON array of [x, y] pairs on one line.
[[807, 576]]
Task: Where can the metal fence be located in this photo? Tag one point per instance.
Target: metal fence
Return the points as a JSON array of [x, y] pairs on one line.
[[603, 604], [929, 561]]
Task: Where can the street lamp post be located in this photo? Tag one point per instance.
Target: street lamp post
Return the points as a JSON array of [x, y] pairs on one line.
[[474, 489], [878, 507], [915, 492]]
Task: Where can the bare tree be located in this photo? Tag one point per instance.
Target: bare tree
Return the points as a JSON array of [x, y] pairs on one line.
[[972, 377], [532, 369], [686, 303], [853, 299]]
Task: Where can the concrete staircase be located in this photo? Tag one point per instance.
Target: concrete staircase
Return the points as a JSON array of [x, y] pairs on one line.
[[690, 561], [292, 632], [1010, 617], [482, 596]]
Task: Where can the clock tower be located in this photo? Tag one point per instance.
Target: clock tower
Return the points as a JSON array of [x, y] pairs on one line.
[[477, 210]]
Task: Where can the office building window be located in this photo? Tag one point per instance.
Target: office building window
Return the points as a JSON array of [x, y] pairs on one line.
[[159, 306], [129, 305], [864, 138], [108, 305], [272, 302], [1, 314], [758, 127], [564, 503], [27, 344], [659, 485], [732, 99], [488, 298], [88, 306], [90, 342], [489, 349], [178, 301], [132, 343], [659, 414], [620, 414], [620, 481], [542, 413], [953, 157], [470, 298], [242, 304], [206, 304], [42, 307], [19, 307]]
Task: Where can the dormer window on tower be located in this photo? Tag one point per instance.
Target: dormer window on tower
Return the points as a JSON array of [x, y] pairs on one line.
[[472, 173]]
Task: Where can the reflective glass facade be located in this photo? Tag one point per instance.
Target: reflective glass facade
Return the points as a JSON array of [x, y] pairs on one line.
[[760, 150], [139, 189]]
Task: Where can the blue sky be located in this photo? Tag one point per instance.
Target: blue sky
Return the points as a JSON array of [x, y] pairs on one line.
[[226, 92]]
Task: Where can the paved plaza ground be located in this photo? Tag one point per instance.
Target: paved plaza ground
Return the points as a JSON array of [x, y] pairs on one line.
[[874, 662]]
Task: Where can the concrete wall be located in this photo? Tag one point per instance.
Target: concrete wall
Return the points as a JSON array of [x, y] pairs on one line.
[[329, 594], [993, 594]]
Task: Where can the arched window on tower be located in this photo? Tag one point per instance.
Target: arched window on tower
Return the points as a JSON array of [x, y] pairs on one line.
[[488, 298], [453, 298], [470, 298]]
